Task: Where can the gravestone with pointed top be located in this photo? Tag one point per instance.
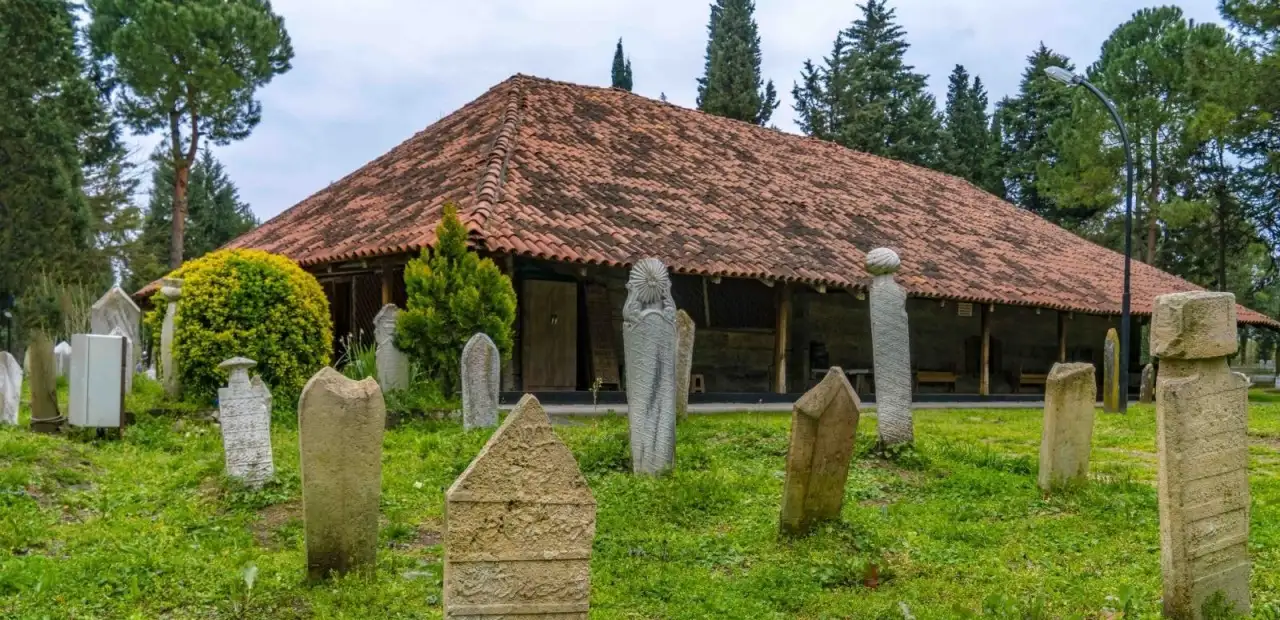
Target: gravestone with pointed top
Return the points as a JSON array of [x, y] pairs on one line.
[[519, 524], [116, 311], [245, 417], [340, 427], [10, 388], [649, 339], [1203, 445], [393, 364], [171, 290], [62, 358], [1111, 373], [684, 360], [481, 373], [1067, 435], [1147, 391], [824, 426], [890, 349]]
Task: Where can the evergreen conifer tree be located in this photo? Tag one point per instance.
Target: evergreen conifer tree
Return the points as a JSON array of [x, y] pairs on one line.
[[621, 69], [731, 81]]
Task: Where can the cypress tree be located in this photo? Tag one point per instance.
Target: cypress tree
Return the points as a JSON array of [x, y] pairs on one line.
[[731, 81], [967, 139], [621, 69]]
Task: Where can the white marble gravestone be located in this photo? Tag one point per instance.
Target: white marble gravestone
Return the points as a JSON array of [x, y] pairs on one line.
[[244, 412], [62, 358], [171, 290], [649, 336], [10, 388], [890, 349], [481, 373], [116, 312], [393, 364]]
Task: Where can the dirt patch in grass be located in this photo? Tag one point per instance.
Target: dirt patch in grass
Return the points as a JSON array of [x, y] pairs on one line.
[[272, 518], [1269, 441]]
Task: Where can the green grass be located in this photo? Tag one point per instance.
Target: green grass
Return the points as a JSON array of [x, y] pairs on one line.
[[148, 527]]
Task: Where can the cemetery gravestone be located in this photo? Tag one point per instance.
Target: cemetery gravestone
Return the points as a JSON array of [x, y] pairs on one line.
[[1147, 391], [340, 425], [1069, 395], [393, 364], [824, 425], [116, 311], [42, 372], [62, 358], [262, 390], [1203, 445], [481, 373], [890, 349], [128, 357], [244, 413], [1111, 373], [171, 290], [519, 523], [684, 360], [649, 337], [10, 388]]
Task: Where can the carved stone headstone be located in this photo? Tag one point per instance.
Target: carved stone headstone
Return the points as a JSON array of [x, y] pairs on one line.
[[128, 357], [262, 389], [116, 311], [684, 360], [42, 373], [890, 349], [519, 523], [393, 364], [1069, 394], [1203, 444], [171, 290], [1147, 391], [1111, 373], [244, 413], [824, 425], [340, 426], [481, 374], [649, 337], [10, 388], [62, 358]]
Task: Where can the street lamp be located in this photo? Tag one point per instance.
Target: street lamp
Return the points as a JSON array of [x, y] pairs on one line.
[[1071, 79]]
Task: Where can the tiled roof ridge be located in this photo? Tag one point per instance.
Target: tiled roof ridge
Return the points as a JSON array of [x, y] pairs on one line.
[[489, 186]]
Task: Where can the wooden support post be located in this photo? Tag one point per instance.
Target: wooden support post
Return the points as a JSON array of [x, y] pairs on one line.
[[780, 339], [387, 282], [706, 304], [984, 382], [1061, 336]]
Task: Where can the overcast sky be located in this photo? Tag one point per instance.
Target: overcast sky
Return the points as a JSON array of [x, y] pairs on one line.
[[366, 79]]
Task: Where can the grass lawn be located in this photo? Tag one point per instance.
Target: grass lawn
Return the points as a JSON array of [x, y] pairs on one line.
[[148, 527]]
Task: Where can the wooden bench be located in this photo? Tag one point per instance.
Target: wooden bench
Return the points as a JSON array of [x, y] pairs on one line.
[[936, 377], [1031, 378]]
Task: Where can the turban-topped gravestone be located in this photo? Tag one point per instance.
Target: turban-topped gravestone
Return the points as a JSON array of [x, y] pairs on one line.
[[890, 349], [244, 414], [649, 337], [171, 290]]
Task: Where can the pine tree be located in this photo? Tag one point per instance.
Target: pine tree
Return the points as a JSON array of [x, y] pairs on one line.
[[731, 81], [621, 69], [967, 139]]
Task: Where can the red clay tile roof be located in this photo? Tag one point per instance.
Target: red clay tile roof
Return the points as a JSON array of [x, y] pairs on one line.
[[591, 175]]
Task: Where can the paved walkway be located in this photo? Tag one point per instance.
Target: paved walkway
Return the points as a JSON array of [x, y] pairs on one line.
[[701, 408]]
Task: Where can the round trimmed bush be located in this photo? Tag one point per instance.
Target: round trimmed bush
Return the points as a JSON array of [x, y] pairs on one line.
[[247, 303]]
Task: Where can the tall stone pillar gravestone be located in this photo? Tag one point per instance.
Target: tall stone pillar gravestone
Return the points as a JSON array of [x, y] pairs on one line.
[[116, 311], [340, 425], [244, 413], [1147, 391], [171, 290], [481, 374], [1111, 373], [649, 337], [1069, 394], [393, 364], [891, 349], [519, 523], [824, 425], [10, 388], [684, 360], [1202, 438]]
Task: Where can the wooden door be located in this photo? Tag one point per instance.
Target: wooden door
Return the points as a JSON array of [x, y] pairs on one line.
[[550, 336]]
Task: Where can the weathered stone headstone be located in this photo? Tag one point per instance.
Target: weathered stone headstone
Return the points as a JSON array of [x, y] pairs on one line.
[[393, 364], [481, 373], [244, 413], [824, 424], [42, 373], [890, 349], [1069, 394], [171, 290], [1147, 391], [340, 425], [10, 388], [519, 523], [116, 311], [1203, 444], [262, 390], [128, 358], [1111, 373], [684, 360], [62, 359], [649, 338]]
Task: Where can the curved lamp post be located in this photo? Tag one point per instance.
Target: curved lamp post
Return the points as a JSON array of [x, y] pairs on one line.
[[1071, 79]]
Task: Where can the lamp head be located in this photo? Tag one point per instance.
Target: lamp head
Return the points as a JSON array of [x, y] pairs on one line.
[[1062, 75]]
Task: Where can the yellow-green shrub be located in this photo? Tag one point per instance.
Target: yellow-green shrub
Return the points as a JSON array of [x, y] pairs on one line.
[[247, 303]]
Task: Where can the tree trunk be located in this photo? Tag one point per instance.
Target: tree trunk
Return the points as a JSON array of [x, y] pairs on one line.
[[1221, 191], [1152, 201], [181, 173]]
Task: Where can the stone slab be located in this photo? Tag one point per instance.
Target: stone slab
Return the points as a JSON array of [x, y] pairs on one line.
[[481, 380], [116, 311], [685, 331], [392, 363], [824, 426], [1147, 391], [244, 415], [1194, 325], [1067, 435], [649, 341], [10, 388], [1111, 372]]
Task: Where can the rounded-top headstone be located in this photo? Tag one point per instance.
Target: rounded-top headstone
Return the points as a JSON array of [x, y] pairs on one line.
[[883, 261], [1194, 325]]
